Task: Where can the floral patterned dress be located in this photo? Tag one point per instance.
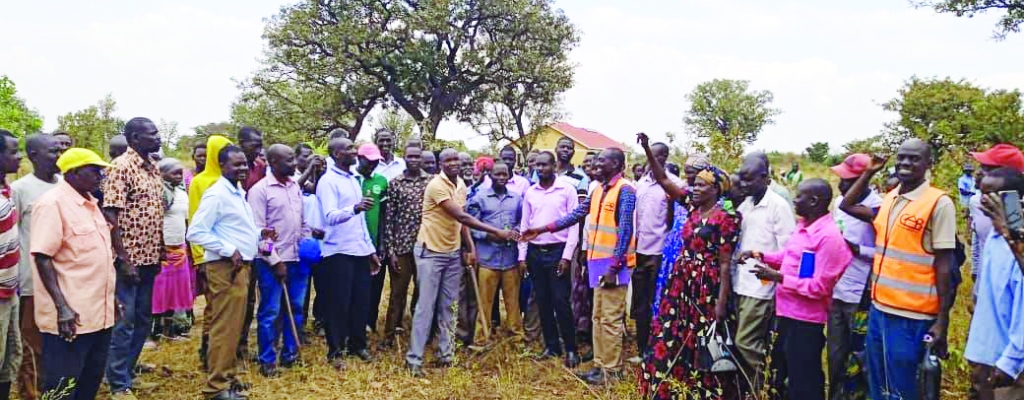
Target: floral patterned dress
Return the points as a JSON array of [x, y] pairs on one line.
[[686, 311]]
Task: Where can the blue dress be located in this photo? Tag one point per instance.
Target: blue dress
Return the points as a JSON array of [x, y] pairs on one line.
[[673, 247]]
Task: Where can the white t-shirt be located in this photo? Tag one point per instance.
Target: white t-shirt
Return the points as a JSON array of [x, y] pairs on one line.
[[765, 228], [174, 219], [24, 193]]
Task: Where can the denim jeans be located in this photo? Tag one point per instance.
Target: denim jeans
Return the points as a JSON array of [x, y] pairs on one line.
[[130, 332], [270, 310], [894, 347]]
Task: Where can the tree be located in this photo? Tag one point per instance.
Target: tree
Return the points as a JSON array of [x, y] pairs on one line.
[[430, 58], [954, 117], [93, 127], [516, 122], [726, 114], [818, 152], [1010, 22], [869, 145], [401, 124], [15, 116]]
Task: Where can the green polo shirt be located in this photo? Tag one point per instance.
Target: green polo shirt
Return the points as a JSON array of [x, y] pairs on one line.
[[376, 187]]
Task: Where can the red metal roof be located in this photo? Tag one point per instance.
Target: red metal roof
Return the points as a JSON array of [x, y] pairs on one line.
[[589, 138]]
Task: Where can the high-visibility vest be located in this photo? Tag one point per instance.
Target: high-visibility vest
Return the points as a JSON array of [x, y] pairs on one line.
[[603, 227], [903, 275]]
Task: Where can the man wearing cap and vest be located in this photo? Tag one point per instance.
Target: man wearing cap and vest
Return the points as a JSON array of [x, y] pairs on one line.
[[611, 256], [911, 284]]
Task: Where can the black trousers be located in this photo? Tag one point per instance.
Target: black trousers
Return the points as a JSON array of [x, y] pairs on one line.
[[644, 280], [552, 295], [797, 358], [345, 281], [377, 287], [82, 360]]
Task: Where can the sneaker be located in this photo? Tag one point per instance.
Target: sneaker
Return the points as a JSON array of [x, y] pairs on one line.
[[150, 345], [125, 395]]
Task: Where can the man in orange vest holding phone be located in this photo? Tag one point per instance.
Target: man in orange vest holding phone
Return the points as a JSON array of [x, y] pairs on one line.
[[912, 280], [611, 257]]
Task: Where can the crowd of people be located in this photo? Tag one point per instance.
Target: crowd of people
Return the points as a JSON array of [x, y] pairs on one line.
[[737, 288]]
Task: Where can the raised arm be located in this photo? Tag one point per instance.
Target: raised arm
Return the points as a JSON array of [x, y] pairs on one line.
[[658, 170], [859, 189]]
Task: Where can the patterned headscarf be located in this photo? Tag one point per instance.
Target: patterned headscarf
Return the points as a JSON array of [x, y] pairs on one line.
[[698, 161], [711, 174]]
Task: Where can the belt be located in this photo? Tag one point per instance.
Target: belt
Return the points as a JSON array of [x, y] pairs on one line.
[[547, 248]]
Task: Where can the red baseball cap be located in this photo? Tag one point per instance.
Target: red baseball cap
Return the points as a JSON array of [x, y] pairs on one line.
[[370, 151], [853, 166], [1001, 155]]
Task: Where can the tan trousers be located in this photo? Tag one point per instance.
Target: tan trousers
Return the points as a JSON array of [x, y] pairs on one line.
[[755, 315], [490, 281], [609, 322], [227, 290], [399, 293], [32, 347]]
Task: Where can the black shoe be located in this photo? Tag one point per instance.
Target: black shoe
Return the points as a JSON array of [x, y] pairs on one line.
[[442, 364], [601, 378], [239, 387], [229, 395], [291, 363], [572, 360], [269, 371], [415, 370], [547, 354], [588, 373], [588, 356], [363, 355]]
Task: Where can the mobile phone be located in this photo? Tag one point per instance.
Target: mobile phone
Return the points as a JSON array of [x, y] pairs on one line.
[[1012, 209]]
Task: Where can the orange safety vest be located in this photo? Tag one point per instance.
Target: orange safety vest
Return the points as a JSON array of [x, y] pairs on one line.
[[903, 272], [603, 227]]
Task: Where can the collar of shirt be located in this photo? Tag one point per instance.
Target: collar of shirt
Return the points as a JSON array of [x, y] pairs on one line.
[[917, 192], [233, 189], [611, 182], [136, 159], [556, 185]]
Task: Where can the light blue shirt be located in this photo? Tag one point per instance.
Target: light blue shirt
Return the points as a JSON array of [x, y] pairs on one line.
[[996, 337], [224, 223], [311, 213], [966, 186], [345, 230]]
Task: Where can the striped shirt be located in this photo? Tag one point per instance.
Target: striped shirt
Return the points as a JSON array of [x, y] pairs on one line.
[[9, 247]]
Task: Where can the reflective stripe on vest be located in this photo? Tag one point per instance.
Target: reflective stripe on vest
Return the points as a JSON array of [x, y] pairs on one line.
[[903, 273], [603, 229]]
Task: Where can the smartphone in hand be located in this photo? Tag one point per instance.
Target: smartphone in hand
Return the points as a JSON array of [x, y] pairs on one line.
[[1012, 209]]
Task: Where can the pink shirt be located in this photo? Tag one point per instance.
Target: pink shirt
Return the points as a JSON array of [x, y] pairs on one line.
[[518, 183], [809, 299], [543, 206], [278, 205], [652, 215]]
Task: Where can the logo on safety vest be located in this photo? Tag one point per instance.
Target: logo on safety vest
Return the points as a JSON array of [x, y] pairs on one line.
[[912, 222]]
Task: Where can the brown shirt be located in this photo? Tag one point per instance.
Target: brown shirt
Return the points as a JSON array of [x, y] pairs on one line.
[[134, 186], [404, 212], [439, 231]]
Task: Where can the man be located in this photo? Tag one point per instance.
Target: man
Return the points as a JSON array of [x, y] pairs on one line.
[[349, 256], [565, 149], [531, 173], [794, 176], [118, 146], [443, 231], [1000, 155], [251, 142], [400, 229], [638, 171], [42, 153], [767, 223], [912, 278], [429, 162], [499, 207], [199, 158], [805, 291], [994, 342], [673, 169], [548, 258], [466, 168], [276, 203], [74, 266], [200, 183], [847, 318], [224, 227], [375, 186], [389, 166], [652, 225], [516, 183], [133, 202], [965, 184], [10, 334], [63, 141], [611, 256]]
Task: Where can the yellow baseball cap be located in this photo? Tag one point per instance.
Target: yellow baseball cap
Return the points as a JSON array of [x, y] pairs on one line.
[[76, 157]]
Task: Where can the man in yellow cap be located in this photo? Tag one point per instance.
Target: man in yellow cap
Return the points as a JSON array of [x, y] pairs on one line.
[[74, 262]]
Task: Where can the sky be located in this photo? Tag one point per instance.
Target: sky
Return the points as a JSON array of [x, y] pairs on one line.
[[829, 64]]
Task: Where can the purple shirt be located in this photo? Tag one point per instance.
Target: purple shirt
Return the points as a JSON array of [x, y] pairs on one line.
[[541, 206], [809, 299], [518, 184], [652, 215], [279, 205]]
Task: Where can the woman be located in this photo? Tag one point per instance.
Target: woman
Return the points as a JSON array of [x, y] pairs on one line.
[[696, 294], [674, 239], [172, 289]]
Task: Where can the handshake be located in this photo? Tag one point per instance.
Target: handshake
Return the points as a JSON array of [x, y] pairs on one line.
[[511, 235]]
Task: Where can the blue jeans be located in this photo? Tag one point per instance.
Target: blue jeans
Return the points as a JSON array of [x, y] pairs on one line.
[[268, 330], [894, 347], [130, 332]]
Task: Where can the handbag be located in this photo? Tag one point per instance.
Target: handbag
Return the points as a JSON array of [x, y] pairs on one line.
[[715, 352]]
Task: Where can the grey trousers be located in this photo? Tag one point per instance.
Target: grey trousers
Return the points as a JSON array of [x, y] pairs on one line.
[[840, 320], [438, 277]]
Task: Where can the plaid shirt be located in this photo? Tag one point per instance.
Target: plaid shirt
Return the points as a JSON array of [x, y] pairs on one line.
[[134, 187]]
